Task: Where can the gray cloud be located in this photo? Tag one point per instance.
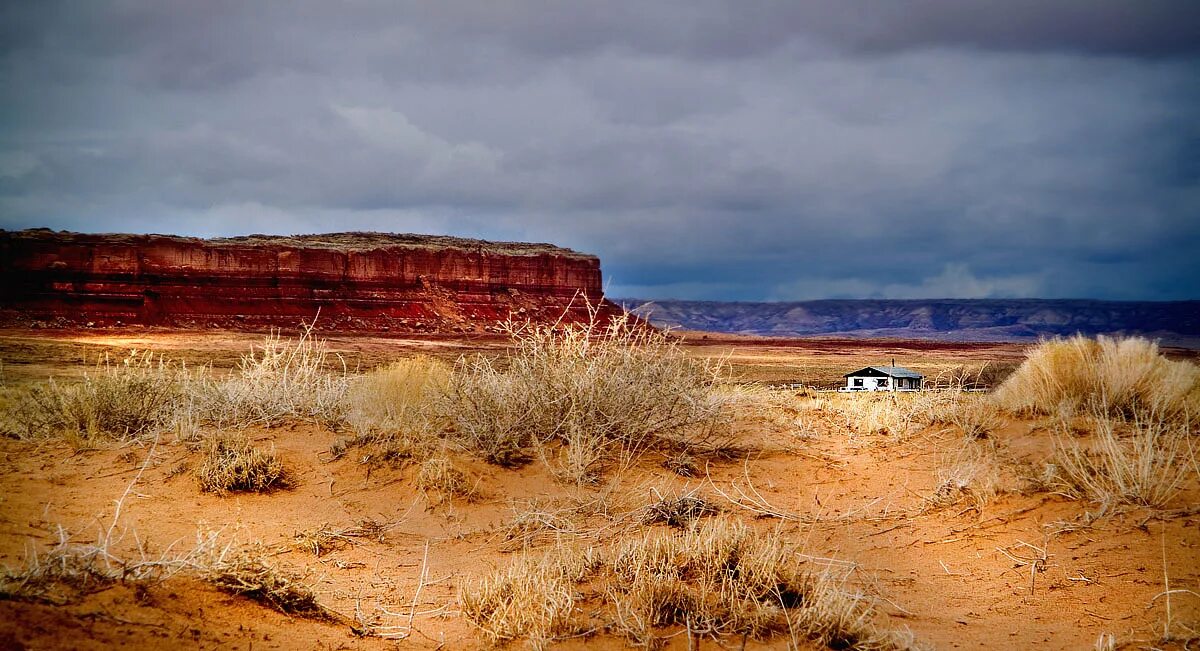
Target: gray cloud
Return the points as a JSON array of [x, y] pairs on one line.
[[703, 149]]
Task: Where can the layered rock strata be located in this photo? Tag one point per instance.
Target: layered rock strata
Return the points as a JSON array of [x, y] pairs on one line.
[[357, 281]]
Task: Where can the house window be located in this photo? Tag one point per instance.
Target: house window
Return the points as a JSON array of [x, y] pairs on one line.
[[857, 381], [881, 382]]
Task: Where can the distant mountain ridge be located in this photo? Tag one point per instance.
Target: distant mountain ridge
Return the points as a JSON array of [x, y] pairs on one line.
[[1172, 322]]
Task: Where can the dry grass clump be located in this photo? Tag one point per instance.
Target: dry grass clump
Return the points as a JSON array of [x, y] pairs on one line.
[[439, 477], [600, 390], [326, 538], [533, 598], [1125, 377], [974, 416], [720, 578], [248, 573], [57, 576], [887, 415], [972, 471], [115, 401], [279, 380], [395, 448], [681, 463], [402, 396], [536, 522], [539, 521], [678, 511], [1140, 462], [714, 579], [72, 569], [232, 463]]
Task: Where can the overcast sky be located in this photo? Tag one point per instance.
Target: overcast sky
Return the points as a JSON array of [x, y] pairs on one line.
[[703, 149]]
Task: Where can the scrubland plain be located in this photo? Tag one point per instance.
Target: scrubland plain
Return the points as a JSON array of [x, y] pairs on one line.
[[598, 485]]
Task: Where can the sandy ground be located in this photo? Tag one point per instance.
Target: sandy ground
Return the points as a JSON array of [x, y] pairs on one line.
[[860, 498]]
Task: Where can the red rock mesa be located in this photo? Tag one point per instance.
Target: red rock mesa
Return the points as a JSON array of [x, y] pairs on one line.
[[358, 281]]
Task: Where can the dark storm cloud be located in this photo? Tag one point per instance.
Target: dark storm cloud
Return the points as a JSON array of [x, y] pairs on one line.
[[703, 149]]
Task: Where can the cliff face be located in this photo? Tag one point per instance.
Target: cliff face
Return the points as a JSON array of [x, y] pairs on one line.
[[1176, 322], [356, 280]]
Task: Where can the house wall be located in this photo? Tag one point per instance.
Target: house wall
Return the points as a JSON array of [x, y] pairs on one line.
[[870, 384]]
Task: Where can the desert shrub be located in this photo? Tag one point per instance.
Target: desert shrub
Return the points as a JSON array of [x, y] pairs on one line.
[[679, 510], [716, 579], [59, 574], [537, 521], [327, 538], [1123, 377], [974, 416], [440, 478], [723, 578], [603, 389], [532, 598], [277, 381], [248, 573], [115, 400], [1142, 462], [232, 463]]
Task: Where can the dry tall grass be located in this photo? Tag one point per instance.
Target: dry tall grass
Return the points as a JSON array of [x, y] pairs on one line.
[[396, 411], [1124, 377], [604, 390], [715, 579], [400, 396], [442, 481], [533, 598], [1141, 462], [883, 416], [972, 470], [279, 380]]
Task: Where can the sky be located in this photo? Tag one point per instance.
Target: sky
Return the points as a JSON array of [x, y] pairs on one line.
[[704, 149]]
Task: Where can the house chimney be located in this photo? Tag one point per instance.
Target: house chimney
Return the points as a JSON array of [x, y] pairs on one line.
[[893, 362]]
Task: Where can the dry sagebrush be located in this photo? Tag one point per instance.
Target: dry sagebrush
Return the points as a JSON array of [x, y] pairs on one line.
[[139, 395], [279, 380], [600, 390]]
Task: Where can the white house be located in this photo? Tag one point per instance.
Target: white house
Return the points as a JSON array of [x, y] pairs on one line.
[[883, 378]]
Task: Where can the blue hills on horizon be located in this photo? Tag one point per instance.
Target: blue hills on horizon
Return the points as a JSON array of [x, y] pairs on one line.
[[1173, 323]]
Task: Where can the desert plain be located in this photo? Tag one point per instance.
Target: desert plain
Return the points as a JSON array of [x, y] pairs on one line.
[[932, 518]]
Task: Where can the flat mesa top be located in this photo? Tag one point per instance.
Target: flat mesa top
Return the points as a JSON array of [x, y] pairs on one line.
[[348, 241]]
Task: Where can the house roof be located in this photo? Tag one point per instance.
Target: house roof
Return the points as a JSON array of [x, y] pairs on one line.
[[889, 371]]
